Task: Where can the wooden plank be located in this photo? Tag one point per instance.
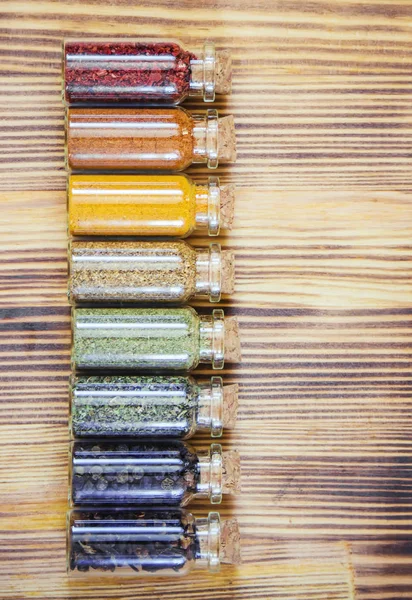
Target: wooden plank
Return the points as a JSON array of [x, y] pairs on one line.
[[321, 94], [322, 240]]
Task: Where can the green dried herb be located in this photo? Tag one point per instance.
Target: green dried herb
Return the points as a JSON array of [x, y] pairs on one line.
[[136, 406], [135, 338]]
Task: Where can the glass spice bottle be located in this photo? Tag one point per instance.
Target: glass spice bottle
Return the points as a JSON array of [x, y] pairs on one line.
[[142, 406], [148, 542], [147, 205], [152, 338], [142, 72], [165, 139], [150, 473], [139, 271]]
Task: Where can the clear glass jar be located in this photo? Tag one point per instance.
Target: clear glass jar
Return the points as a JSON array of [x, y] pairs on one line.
[[165, 139], [147, 205], [142, 72], [140, 271], [148, 542], [143, 406], [149, 473], [150, 338]]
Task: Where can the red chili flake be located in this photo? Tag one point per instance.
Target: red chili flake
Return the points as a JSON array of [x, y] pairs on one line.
[[120, 72]]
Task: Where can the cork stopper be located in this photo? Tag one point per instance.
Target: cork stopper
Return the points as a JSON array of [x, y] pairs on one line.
[[229, 551], [232, 340], [227, 205], [223, 72], [231, 472], [226, 150], [227, 258], [230, 404]]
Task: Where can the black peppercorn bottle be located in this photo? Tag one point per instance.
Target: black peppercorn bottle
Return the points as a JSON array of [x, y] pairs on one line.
[[150, 473], [148, 542]]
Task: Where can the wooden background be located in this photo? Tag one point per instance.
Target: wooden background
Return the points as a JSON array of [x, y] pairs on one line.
[[323, 105]]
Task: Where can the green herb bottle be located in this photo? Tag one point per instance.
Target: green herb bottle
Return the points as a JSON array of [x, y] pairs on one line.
[[152, 338], [143, 406], [150, 473], [139, 271], [144, 542]]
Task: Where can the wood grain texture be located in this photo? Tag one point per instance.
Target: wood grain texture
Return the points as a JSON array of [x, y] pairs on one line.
[[323, 248]]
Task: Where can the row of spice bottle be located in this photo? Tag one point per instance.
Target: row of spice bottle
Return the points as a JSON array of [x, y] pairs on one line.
[[144, 74], [105, 473], [129, 472], [165, 539]]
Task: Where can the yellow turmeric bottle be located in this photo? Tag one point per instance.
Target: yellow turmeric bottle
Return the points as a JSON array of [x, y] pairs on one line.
[[147, 205]]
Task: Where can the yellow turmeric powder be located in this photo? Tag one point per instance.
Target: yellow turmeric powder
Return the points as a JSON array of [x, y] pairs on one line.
[[146, 205]]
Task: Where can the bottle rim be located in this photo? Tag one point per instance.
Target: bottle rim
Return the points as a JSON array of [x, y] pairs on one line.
[[218, 344], [209, 71]]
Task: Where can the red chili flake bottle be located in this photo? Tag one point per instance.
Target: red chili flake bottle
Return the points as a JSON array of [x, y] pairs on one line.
[[141, 73]]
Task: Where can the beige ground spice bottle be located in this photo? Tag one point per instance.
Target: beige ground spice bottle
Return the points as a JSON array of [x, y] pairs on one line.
[[165, 139], [141, 271]]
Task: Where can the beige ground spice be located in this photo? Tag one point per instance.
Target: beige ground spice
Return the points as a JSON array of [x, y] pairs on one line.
[[132, 271]]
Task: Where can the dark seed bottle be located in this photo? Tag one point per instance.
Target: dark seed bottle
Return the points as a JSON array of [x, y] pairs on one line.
[[152, 338], [150, 473], [142, 72], [142, 406], [148, 542]]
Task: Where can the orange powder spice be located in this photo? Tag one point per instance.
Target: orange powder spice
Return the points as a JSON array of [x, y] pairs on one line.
[[116, 139], [131, 205]]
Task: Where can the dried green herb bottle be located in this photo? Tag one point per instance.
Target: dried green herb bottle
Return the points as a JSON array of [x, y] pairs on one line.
[[152, 338], [149, 473], [148, 542], [139, 271], [142, 406]]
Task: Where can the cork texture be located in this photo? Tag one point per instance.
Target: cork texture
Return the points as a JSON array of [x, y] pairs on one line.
[[227, 205], [230, 405], [232, 340], [227, 140], [223, 73], [228, 272], [231, 472], [230, 542]]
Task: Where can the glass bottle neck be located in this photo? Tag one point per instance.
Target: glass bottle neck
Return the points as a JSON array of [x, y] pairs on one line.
[[211, 73], [203, 73], [210, 407], [210, 474], [212, 339], [209, 272], [205, 137], [218, 542], [207, 206], [208, 542]]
